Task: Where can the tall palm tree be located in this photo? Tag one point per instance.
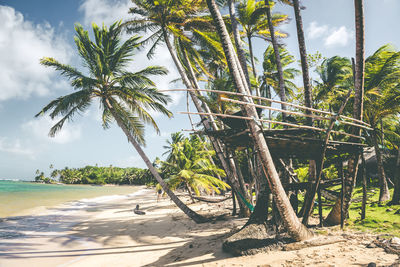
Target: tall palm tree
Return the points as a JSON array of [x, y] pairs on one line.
[[282, 93], [292, 224], [251, 15], [334, 216], [303, 55], [164, 18], [124, 97]]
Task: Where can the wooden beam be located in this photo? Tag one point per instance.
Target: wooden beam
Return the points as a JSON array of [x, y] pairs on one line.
[[294, 113], [267, 99], [271, 121]]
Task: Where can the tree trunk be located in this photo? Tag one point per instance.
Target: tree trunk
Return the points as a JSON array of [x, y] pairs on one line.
[[208, 122], [238, 41], [396, 193], [294, 227], [384, 193], [190, 213], [303, 58], [357, 113], [282, 90], [253, 65]]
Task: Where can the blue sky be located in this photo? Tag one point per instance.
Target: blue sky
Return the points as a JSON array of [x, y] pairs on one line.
[[33, 29]]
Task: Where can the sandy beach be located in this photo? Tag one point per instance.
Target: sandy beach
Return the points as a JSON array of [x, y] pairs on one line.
[[106, 232]]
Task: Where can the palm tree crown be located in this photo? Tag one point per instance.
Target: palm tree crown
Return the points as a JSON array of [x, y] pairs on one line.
[[124, 94]]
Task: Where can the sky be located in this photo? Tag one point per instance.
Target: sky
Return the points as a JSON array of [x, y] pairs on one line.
[[31, 30]]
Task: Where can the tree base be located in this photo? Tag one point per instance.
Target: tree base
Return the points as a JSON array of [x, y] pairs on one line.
[[253, 239]]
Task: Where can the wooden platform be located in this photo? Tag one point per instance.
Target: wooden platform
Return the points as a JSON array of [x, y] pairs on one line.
[[284, 143]]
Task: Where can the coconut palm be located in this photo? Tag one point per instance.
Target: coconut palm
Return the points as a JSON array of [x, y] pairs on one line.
[[292, 224], [166, 18], [275, 46], [303, 55], [124, 97], [271, 75], [188, 164], [252, 17]]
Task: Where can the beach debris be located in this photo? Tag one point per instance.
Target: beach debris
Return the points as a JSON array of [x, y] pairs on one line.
[[391, 245], [138, 212]]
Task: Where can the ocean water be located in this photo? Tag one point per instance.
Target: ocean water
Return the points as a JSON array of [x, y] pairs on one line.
[[24, 198]]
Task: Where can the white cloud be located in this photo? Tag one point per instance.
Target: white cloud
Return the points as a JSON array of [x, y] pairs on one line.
[[315, 31], [22, 44], [332, 36], [40, 129], [104, 11], [15, 147], [339, 37]]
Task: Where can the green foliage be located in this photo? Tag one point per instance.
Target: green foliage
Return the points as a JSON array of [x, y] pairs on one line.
[[123, 96], [189, 165], [302, 173], [104, 175]]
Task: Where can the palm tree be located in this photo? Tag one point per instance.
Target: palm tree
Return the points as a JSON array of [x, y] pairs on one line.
[[124, 97], [251, 15], [164, 18], [334, 216], [189, 164], [282, 93], [271, 77], [303, 56], [294, 227]]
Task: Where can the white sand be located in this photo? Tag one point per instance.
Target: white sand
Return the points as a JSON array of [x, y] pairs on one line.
[[108, 233]]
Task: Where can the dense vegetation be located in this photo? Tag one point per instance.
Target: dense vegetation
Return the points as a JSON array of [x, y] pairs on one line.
[[99, 176]]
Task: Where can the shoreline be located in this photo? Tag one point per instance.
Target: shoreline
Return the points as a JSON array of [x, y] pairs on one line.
[[106, 232], [26, 198]]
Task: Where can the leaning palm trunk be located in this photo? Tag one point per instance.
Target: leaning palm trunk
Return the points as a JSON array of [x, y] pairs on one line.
[[190, 213], [294, 227], [384, 193], [334, 216], [282, 93], [208, 122]]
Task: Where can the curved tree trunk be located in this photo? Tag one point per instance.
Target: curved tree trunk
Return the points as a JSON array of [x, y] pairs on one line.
[[208, 122], [384, 193], [292, 224], [334, 216], [282, 91], [189, 212]]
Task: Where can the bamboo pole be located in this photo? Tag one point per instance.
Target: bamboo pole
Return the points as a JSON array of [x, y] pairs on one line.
[[269, 100], [294, 113], [271, 121]]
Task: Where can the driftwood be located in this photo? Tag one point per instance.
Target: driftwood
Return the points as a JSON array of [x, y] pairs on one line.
[[391, 246]]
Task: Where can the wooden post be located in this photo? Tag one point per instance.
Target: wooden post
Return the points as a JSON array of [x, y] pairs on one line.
[[364, 184], [341, 194], [320, 207]]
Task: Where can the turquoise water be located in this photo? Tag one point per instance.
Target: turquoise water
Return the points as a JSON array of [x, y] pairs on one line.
[[21, 198]]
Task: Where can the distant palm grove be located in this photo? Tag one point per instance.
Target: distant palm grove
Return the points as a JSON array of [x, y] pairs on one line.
[[275, 143], [99, 176]]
